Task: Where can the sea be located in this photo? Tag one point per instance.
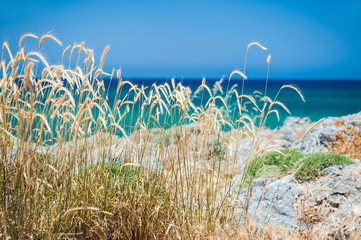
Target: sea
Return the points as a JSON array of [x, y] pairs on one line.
[[323, 98]]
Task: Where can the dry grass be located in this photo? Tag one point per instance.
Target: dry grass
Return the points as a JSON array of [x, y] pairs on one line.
[[347, 143], [312, 213], [74, 165]]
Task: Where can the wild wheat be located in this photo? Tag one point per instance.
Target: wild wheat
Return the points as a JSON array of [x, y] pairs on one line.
[[151, 163]]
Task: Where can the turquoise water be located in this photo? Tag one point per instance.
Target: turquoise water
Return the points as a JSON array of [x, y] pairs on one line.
[[324, 98]]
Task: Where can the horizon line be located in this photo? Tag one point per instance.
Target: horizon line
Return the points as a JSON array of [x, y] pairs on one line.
[[235, 79]]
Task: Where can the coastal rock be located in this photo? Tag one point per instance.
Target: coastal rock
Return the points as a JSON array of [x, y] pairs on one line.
[[318, 139], [334, 199], [273, 202], [332, 169], [292, 130], [243, 150], [294, 127], [322, 136], [336, 195], [339, 196]]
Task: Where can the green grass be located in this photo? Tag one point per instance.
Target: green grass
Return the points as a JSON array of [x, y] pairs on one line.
[[316, 162], [274, 164]]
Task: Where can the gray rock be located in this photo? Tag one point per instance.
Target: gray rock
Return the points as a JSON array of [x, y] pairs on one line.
[[260, 182], [296, 124], [318, 139], [332, 169], [341, 195], [293, 128], [323, 135], [273, 203], [336, 199], [327, 135]]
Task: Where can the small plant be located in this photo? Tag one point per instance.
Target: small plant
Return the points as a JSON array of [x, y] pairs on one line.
[[284, 162], [273, 164], [117, 171], [309, 213], [276, 165], [314, 163]]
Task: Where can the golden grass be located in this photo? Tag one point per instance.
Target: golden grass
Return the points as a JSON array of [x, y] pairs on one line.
[[27, 36], [152, 164], [48, 36]]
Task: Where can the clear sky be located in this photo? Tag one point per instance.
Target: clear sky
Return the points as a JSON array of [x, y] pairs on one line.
[[307, 39]]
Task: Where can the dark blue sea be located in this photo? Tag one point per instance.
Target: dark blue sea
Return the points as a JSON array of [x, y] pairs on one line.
[[324, 98]]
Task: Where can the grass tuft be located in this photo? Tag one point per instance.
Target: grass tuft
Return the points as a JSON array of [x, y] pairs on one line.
[[314, 163], [275, 165]]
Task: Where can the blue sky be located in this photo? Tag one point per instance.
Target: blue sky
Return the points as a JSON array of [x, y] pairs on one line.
[[307, 39]]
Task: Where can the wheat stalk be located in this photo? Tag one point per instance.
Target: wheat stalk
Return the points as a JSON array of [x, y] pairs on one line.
[[48, 36], [27, 36]]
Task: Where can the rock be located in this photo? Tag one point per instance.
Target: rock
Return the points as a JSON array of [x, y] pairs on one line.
[[318, 139], [337, 193], [338, 198], [327, 135], [332, 169], [323, 135], [243, 150], [341, 198], [296, 126], [273, 202]]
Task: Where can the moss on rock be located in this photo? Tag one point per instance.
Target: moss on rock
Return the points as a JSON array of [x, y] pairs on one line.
[[276, 165]]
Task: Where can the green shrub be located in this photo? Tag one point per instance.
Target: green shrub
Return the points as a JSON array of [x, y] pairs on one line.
[[275, 164], [285, 163], [269, 171], [316, 162]]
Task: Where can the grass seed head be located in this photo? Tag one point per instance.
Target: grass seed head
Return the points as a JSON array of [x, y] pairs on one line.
[[49, 36]]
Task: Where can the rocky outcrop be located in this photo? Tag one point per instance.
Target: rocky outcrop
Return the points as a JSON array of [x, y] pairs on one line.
[[318, 139], [323, 135], [272, 200], [338, 196], [331, 204]]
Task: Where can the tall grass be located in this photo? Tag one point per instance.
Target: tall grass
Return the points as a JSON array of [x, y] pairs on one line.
[[152, 163]]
